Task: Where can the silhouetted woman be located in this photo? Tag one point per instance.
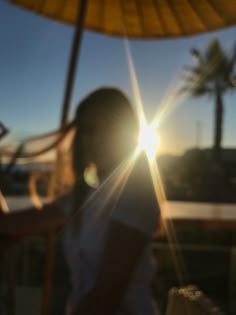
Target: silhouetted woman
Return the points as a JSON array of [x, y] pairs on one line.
[[109, 216]]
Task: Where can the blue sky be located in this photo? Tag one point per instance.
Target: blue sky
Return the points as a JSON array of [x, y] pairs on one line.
[[33, 63]]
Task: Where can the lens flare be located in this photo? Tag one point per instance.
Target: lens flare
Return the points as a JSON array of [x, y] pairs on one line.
[[148, 140], [90, 176]]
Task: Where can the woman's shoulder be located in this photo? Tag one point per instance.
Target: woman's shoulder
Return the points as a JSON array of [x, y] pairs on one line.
[[138, 205], [139, 185]]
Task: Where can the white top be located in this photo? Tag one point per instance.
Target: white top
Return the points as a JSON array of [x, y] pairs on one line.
[[135, 206]]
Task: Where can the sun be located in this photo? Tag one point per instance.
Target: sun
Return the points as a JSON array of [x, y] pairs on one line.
[[148, 140]]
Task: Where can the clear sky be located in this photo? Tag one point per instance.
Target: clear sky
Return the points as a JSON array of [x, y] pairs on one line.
[[33, 62]]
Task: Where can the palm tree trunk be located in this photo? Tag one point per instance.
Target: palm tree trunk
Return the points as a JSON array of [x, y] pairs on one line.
[[217, 187], [219, 112]]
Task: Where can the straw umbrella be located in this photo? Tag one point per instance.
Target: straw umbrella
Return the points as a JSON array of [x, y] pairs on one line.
[[143, 19]]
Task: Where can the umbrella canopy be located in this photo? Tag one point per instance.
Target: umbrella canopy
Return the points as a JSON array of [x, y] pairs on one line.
[[141, 18]]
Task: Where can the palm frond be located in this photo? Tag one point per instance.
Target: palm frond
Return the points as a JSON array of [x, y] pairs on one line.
[[214, 68], [232, 82], [199, 90], [197, 55], [183, 90], [213, 50], [193, 69], [195, 89], [188, 78]]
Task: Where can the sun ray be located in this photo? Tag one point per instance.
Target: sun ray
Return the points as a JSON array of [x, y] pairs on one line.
[[120, 174], [166, 107], [116, 180], [134, 82], [180, 267], [176, 97]]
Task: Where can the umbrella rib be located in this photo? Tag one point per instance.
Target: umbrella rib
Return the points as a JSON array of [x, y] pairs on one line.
[[61, 8], [159, 16], [141, 15], [58, 11], [175, 15], [31, 6], [124, 19], [193, 7], [41, 6], [102, 13], [211, 4]]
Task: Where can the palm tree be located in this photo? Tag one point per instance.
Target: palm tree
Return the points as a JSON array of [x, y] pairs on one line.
[[213, 75]]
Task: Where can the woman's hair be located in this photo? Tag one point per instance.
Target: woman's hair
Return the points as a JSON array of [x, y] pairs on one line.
[[119, 120]]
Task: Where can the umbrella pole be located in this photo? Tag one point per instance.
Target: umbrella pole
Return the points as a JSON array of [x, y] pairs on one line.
[[73, 61], [75, 49]]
